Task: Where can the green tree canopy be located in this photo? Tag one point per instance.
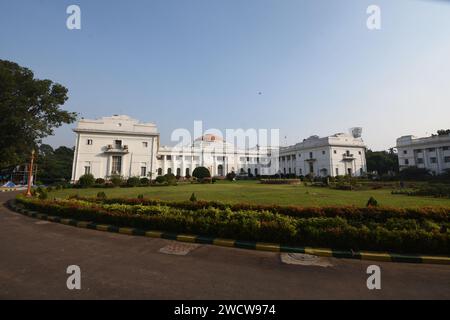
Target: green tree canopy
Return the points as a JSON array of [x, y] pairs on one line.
[[54, 165], [30, 110], [201, 173], [382, 161]]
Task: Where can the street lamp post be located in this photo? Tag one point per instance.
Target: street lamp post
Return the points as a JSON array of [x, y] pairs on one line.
[[30, 175]]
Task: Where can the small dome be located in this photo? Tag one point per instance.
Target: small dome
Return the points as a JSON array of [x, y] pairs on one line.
[[209, 138]]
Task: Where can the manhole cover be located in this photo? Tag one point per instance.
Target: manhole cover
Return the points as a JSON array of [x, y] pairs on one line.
[[305, 260], [178, 248]]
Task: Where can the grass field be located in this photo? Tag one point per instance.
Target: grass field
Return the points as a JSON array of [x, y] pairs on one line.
[[254, 192]]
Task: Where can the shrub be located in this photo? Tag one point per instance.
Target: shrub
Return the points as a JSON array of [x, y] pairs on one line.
[[372, 202], [280, 181], [133, 181], [171, 180], [101, 195], [193, 198], [144, 181], [414, 173], [100, 181], [160, 179], [86, 180], [206, 180], [140, 196], [201, 173], [231, 176], [43, 194], [116, 180], [355, 229]]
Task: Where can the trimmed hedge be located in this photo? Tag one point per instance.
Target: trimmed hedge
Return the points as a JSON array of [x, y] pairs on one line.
[[280, 181], [379, 214], [398, 234]]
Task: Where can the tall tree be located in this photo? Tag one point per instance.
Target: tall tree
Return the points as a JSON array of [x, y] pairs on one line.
[[30, 111], [382, 161], [54, 165]]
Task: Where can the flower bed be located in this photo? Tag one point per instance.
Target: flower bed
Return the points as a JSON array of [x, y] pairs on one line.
[[379, 214], [432, 190], [355, 231], [280, 181]]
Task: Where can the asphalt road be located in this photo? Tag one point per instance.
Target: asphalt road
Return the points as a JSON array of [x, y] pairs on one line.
[[35, 254]]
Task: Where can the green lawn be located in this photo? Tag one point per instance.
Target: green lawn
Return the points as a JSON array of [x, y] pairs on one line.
[[253, 192]]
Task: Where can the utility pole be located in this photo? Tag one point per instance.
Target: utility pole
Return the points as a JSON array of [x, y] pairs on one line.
[[30, 175]]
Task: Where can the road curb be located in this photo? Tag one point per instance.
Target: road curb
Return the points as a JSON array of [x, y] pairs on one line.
[[261, 246]]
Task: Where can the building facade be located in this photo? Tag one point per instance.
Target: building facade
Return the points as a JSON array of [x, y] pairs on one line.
[[120, 145], [114, 145], [336, 155], [432, 153]]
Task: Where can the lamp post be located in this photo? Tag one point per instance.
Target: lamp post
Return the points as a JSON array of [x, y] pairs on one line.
[[30, 175]]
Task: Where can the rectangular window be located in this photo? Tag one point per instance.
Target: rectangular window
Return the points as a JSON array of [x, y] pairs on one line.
[[168, 157], [179, 157], [300, 171], [87, 170], [405, 151], [145, 144], [419, 160], [446, 159], [310, 155], [337, 170], [431, 149], [334, 151], [323, 152], [116, 167], [118, 144], [433, 160], [445, 148], [89, 142], [143, 171], [406, 161]]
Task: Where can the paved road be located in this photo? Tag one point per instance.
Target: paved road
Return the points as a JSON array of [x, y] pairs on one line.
[[34, 255]]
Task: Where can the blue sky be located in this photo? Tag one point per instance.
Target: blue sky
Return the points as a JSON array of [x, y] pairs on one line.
[[318, 67]]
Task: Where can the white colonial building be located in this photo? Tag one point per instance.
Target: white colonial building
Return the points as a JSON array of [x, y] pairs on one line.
[[115, 145], [120, 145], [432, 153], [339, 154]]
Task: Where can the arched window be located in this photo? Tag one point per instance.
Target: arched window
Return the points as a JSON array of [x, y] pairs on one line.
[[220, 170], [242, 171], [159, 172], [187, 172], [256, 171], [178, 172], [249, 171], [169, 171]]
